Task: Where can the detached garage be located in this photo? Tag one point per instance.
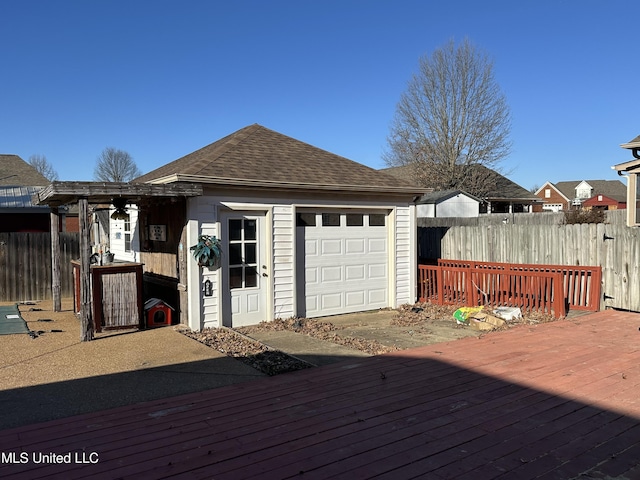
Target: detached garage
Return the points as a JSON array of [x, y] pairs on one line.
[[303, 232]]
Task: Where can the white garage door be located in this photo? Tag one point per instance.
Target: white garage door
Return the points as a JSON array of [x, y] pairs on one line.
[[346, 262]]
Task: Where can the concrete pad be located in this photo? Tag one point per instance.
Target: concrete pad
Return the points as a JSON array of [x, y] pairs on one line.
[[312, 350]]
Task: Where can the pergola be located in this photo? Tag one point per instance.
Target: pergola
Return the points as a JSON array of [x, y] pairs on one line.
[[84, 193]]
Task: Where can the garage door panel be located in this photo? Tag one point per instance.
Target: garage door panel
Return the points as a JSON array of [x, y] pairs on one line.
[[331, 300], [355, 246], [378, 297], [355, 299], [378, 271], [354, 272], [377, 245], [331, 274], [310, 247], [331, 247], [346, 267], [311, 275]]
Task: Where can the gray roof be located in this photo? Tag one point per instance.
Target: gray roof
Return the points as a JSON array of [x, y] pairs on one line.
[[503, 190], [441, 195], [18, 197], [257, 156], [610, 188], [15, 171]]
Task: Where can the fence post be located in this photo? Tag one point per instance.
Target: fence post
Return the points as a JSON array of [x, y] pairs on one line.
[[55, 260]]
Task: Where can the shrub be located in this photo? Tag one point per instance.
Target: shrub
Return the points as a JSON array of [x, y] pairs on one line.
[[595, 215]]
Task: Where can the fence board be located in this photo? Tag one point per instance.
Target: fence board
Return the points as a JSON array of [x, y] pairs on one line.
[[469, 285], [25, 265], [612, 246]]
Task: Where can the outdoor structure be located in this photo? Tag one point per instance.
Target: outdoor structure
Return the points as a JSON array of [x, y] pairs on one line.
[[59, 194], [18, 182], [563, 196], [303, 232], [631, 169], [503, 195], [448, 203]]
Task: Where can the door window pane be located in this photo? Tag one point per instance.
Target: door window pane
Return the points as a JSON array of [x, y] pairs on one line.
[[235, 277], [250, 277], [235, 254], [249, 229], [235, 229], [249, 253]]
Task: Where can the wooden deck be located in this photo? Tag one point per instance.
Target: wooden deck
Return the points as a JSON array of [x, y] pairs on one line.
[[552, 401]]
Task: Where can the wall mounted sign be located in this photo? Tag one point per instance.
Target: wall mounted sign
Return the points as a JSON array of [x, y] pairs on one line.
[[158, 233]]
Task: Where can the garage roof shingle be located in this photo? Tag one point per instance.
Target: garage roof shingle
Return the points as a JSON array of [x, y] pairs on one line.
[[257, 154]]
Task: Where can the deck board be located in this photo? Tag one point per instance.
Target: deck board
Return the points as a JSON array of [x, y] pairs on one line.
[[549, 401]]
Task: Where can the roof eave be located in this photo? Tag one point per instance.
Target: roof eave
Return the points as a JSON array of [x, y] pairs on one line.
[[235, 182]]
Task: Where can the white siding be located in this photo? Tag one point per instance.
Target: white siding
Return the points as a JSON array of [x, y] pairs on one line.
[[405, 255], [204, 312], [283, 276], [204, 217], [458, 206], [117, 236]]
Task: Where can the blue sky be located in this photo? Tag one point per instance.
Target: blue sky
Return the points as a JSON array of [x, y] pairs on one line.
[[161, 79]]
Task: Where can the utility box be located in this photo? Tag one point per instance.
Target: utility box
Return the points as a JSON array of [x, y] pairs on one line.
[[157, 313]]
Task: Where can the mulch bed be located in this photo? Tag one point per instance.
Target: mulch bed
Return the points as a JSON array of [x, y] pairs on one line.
[[236, 343]]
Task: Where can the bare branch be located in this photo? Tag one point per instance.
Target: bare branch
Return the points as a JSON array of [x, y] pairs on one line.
[[115, 166], [42, 165], [451, 119]]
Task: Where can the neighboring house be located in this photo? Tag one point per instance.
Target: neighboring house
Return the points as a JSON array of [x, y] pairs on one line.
[[18, 182], [606, 202], [447, 203], [562, 196], [303, 232], [503, 195]]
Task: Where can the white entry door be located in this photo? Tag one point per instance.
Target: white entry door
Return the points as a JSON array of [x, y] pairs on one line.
[[245, 276]]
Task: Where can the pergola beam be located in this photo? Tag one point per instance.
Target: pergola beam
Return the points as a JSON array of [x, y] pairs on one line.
[[64, 193]]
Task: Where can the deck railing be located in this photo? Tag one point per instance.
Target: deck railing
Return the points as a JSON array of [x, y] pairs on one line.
[[539, 291], [582, 285]]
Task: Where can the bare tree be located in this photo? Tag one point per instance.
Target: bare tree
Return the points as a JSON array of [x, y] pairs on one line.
[[452, 119], [115, 166], [44, 168]]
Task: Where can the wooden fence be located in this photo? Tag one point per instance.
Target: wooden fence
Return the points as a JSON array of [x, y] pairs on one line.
[[581, 284], [539, 291], [613, 247], [25, 265]]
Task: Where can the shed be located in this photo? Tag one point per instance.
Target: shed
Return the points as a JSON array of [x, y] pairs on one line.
[[304, 232], [448, 203]]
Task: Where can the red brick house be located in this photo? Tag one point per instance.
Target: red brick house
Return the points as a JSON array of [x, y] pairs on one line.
[[562, 196]]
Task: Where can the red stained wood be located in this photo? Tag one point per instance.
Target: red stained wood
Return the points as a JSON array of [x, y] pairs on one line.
[[553, 400]]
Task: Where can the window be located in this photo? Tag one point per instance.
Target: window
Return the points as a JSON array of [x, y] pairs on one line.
[[355, 219], [547, 193], [305, 219], [330, 219], [127, 234], [377, 220], [243, 253]]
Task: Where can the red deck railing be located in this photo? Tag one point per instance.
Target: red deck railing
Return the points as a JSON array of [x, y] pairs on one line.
[[547, 289], [582, 285]]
